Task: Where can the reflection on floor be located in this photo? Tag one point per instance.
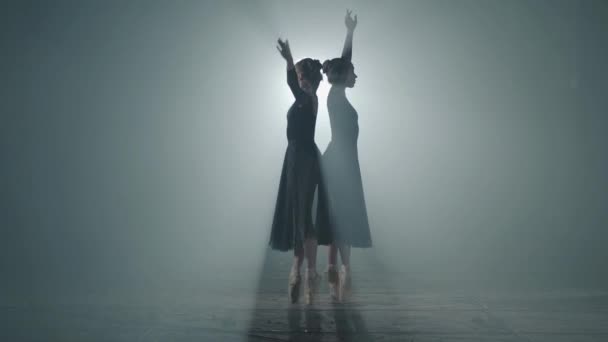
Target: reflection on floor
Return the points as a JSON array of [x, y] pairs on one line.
[[386, 307]]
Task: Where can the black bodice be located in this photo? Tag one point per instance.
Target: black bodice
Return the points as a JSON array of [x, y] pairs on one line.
[[302, 115]]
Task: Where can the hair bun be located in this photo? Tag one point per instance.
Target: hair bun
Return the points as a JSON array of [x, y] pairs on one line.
[[316, 64], [325, 66]]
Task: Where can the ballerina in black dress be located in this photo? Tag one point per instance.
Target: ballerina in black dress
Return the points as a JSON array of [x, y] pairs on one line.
[[292, 227], [347, 224]]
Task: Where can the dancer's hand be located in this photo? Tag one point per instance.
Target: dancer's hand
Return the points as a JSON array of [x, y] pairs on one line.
[[349, 21], [284, 50]]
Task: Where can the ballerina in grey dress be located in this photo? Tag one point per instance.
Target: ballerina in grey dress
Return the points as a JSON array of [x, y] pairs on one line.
[[347, 224]]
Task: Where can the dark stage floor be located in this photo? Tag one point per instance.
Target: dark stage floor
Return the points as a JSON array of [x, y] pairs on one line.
[[387, 307]]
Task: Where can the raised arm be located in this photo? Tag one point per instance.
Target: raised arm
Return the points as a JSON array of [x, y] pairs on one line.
[[285, 52], [347, 51], [292, 77]]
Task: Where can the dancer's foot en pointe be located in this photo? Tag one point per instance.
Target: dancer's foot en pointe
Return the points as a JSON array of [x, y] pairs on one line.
[[333, 281], [312, 284], [294, 286], [345, 284]]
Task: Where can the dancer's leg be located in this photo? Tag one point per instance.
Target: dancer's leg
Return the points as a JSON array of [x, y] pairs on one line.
[[345, 273], [333, 254], [345, 256], [298, 260], [294, 276], [333, 279], [310, 251]]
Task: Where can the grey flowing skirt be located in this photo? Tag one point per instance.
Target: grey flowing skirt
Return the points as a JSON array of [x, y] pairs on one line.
[[300, 177], [347, 222]]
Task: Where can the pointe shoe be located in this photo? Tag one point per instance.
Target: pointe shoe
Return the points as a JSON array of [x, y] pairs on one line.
[[294, 287], [312, 284], [345, 285], [333, 280]]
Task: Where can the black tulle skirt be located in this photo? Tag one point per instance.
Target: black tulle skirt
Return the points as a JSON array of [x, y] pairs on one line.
[[300, 179]]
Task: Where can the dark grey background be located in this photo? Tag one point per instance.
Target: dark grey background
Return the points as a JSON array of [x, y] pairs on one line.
[[141, 141]]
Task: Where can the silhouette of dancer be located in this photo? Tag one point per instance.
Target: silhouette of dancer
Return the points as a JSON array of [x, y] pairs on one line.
[[292, 227], [347, 224]]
